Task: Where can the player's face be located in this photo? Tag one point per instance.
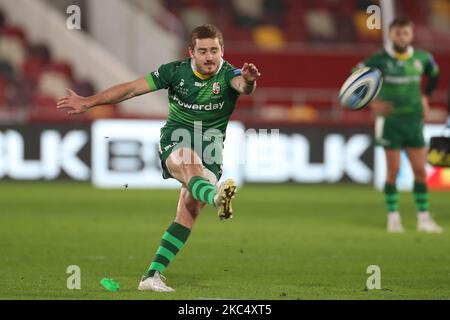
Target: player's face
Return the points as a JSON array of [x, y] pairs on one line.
[[401, 37], [207, 54]]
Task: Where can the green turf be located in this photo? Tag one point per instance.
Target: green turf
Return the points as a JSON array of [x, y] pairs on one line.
[[285, 242]]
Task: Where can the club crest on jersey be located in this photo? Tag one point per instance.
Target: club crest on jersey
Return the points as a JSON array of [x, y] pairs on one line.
[[216, 88]]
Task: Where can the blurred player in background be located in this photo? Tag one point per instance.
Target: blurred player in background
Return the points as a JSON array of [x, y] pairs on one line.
[[203, 91], [401, 108]]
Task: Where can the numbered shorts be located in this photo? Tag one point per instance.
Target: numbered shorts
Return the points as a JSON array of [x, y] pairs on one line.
[[209, 151], [393, 133]]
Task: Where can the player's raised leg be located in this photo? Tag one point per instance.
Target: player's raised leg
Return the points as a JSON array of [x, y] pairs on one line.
[[394, 224], [425, 223], [186, 166]]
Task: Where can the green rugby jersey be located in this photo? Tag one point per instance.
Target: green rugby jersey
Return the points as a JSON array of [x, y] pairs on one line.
[[193, 99], [402, 79]]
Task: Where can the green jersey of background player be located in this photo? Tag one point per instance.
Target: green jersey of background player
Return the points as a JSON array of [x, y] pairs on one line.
[[401, 108], [203, 91]]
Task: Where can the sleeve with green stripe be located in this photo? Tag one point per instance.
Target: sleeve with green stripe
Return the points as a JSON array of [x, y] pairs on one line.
[[162, 78]]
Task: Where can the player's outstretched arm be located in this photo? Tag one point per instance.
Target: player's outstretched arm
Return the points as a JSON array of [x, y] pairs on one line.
[[246, 83], [75, 104]]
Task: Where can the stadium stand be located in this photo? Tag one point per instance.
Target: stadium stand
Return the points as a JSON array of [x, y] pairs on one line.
[[304, 21], [275, 34], [309, 30], [31, 80]]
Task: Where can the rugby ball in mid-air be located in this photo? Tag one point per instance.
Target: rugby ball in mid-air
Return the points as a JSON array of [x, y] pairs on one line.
[[361, 88]]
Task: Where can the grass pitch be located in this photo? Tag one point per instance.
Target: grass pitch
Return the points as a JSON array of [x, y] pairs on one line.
[[285, 242]]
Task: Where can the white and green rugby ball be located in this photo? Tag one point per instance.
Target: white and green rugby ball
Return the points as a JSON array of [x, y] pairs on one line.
[[361, 88]]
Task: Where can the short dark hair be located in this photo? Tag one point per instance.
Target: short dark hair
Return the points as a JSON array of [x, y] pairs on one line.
[[401, 22], [206, 31]]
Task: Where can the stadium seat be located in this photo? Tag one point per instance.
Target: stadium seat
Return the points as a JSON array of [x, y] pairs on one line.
[[6, 70], [320, 25], [84, 88], [40, 52], [43, 101], [248, 13], [12, 50], [13, 31], [269, 37], [63, 68], [274, 12], [45, 110], [192, 17], [32, 68], [304, 113], [19, 92], [53, 84]]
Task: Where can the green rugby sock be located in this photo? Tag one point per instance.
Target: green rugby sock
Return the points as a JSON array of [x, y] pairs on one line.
[[421, 196], [391, 197], [172, 241], [202, 190]]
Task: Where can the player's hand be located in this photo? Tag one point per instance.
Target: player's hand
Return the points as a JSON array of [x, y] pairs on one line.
[[426, 106], [250, 73], [383, 107], [73, 103]]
